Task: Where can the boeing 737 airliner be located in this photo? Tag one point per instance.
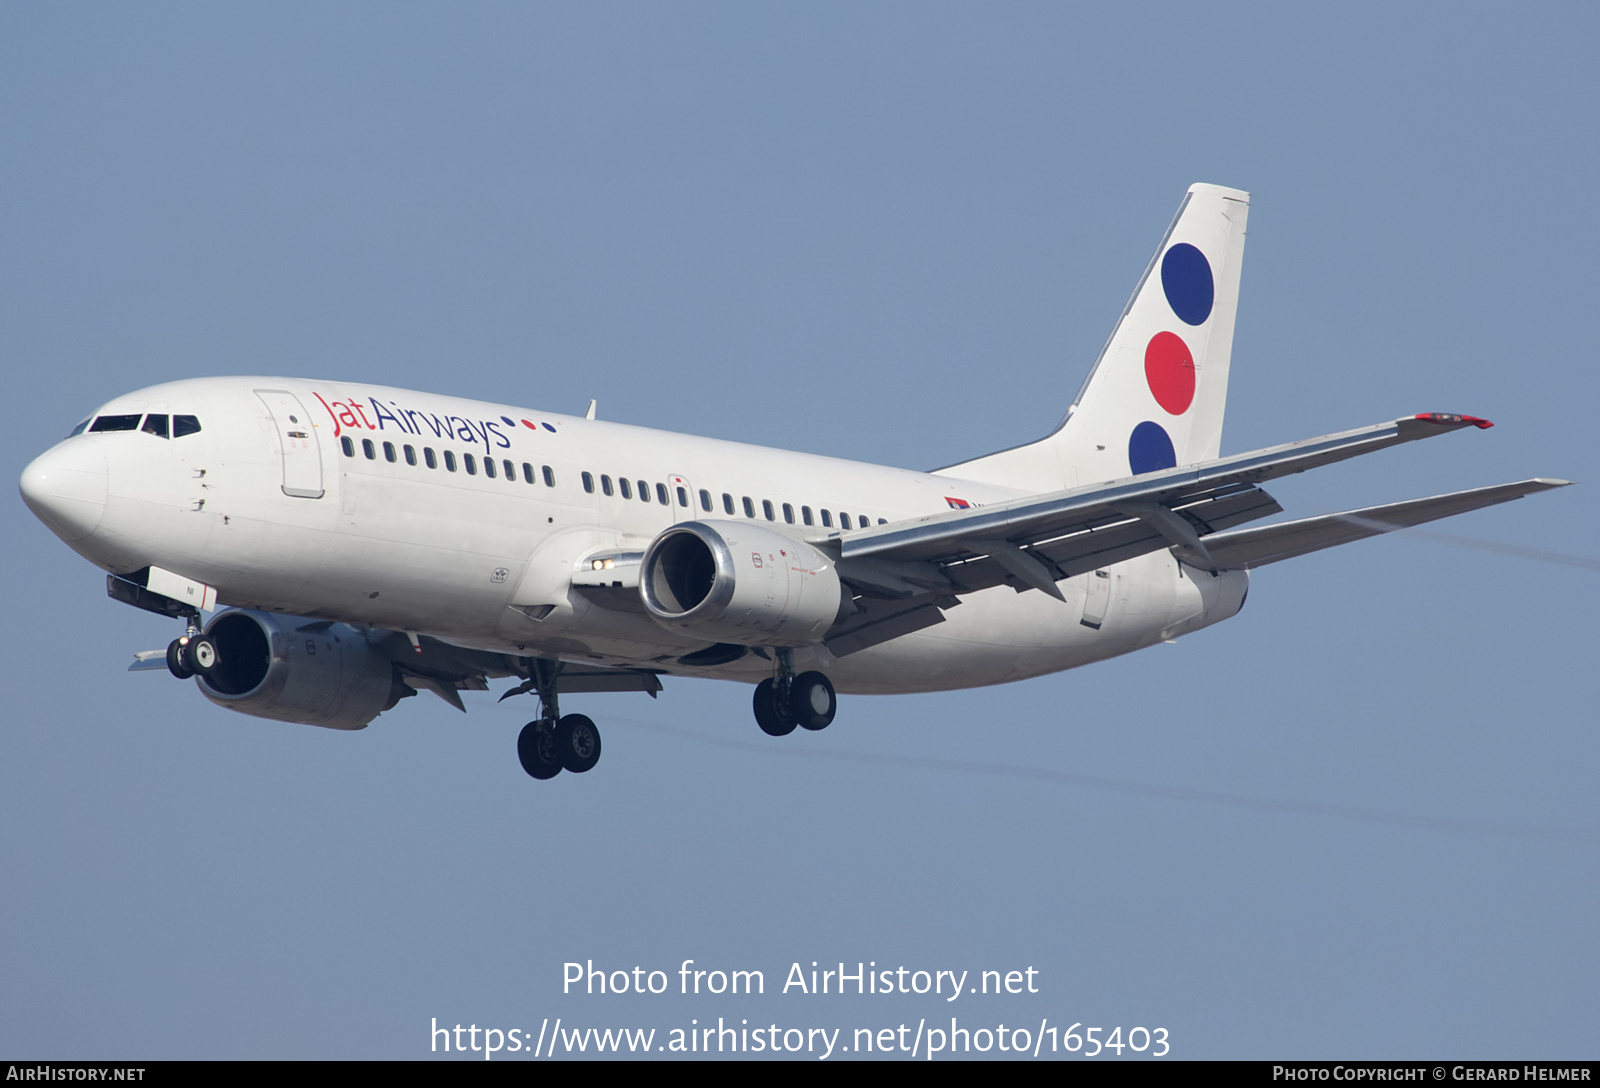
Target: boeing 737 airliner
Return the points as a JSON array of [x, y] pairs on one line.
[[333, 547]]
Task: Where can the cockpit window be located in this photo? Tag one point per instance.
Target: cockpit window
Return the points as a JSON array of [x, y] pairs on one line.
[[155, 424], [115, 423], [80, 428], [182, 425]]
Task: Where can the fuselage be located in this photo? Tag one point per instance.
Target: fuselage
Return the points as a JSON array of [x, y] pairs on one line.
[[467, 521]]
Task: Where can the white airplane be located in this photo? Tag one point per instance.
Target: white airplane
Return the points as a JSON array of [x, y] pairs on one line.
[[335, 547]]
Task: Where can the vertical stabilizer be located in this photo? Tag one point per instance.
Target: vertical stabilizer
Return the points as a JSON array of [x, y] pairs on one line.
[[1155, 397]]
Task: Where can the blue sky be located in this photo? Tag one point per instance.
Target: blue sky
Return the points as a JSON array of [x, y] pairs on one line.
[[1358, 819]]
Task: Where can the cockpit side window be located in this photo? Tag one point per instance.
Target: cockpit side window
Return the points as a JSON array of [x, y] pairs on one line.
[[155, 424], [80, 428], [182, 425], [115, 423]]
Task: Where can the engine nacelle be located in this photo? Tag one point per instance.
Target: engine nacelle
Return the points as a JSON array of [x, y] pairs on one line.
[[735, 581], [298, 670]]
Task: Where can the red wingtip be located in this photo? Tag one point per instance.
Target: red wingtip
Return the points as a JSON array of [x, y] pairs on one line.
[[1451, 417]]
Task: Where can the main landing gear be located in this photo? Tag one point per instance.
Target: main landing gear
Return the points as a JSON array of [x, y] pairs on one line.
[[787, 700], [547, 747], [554, 743]]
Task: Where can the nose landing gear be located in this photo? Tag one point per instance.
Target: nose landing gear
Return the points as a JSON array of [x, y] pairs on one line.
[[193, 653]]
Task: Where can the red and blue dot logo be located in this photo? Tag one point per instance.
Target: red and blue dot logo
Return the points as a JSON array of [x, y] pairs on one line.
[[1190, 291]]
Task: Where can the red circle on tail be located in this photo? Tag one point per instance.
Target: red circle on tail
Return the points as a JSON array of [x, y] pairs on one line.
[[1169, 370]]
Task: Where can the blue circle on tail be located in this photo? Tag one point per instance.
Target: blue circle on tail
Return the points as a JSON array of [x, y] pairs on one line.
[[1186, 279], [1150, 449]]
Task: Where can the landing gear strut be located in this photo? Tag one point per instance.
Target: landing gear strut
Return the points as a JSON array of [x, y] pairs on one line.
[[192, 653], [554, 743], [787, 700]]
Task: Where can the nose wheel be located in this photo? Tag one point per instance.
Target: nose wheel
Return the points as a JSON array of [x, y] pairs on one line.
[[178, 659], [192, 654]]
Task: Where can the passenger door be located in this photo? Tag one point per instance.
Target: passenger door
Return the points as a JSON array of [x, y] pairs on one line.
[[302, 458]]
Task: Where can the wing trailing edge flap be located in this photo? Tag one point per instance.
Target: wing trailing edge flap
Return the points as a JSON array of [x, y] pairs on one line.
[[587, 679], [446, 670], [582, 679], [1243, 549], [882, 620], [1126, 537]]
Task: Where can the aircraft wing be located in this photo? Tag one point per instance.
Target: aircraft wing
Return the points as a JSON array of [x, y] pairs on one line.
[[1243, 549], [1036, 541]]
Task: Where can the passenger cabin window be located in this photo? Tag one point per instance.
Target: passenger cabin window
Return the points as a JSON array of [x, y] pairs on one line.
[[428, 458], [411, 456], [550, 477], [727, 503], [155, 424], [348, 446], [185, 425], [450, 460], [388, 453], [470, 463], [766, 508], [661, 495], [527, 472], [488, 466], [115, 423], [625, 488], [605, 485], [805, 515], [827, 519], [588, 483], [788, 513], [749, 507], [368, 449], [705, 500], [644, 491], [511, 471], [844, 520]]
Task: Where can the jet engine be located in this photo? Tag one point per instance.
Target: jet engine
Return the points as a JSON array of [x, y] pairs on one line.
[[734, 581], [296, 670]]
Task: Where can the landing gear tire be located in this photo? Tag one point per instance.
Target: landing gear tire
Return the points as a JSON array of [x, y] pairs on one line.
[[812, 700], [578, 742], [773, 722], [202, 655], [178, 659], [538, 751]]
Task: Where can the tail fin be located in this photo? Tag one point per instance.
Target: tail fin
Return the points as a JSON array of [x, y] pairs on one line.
[[1155, 396]]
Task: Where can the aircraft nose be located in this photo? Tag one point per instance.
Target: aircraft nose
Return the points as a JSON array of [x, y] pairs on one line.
[[66, 488]]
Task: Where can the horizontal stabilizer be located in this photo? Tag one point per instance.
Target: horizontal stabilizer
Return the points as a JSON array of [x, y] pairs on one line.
[[1242, 549], [149, 661]]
